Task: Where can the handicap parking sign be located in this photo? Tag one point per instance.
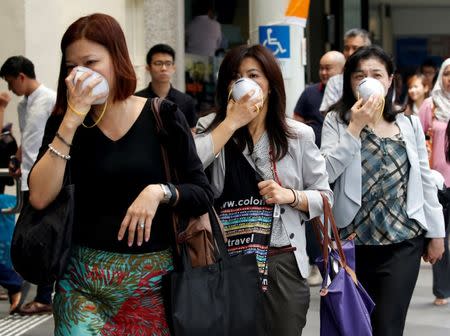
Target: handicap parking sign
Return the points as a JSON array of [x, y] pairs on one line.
[[276, 38]]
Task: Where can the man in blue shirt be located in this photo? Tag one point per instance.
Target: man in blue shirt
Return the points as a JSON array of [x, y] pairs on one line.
[[307, 108]]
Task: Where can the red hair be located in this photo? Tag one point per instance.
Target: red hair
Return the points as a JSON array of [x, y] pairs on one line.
[[105, 30]]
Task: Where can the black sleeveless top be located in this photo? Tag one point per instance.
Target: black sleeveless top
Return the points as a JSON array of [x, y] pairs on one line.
[[108, 176]]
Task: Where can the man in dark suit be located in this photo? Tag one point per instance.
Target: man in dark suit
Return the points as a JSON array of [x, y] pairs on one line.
[[161, 66]]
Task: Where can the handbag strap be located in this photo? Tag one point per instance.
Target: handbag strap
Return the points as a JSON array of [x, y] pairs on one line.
[[323, 229], [217, 232], [156, 107]]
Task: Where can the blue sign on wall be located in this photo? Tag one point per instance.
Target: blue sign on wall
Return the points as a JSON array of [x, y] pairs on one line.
[[276, 38]]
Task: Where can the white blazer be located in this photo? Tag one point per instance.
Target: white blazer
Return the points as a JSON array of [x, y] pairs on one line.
[[342, 154], [302, 168]]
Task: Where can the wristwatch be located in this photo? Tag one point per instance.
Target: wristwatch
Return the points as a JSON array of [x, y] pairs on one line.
[[167, 193]]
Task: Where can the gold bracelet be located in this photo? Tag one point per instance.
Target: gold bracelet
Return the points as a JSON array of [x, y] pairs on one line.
[[74, 110], [301, 199]]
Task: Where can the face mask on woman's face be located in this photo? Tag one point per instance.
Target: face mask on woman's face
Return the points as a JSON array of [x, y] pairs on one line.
[[373, 68]]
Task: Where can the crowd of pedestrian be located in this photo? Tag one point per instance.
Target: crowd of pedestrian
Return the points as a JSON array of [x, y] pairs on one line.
[[379, 163]]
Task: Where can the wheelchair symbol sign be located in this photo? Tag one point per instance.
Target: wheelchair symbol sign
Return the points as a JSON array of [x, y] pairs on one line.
[[276, 38]]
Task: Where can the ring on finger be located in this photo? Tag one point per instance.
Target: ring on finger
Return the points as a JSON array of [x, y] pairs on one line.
[[142, 224]]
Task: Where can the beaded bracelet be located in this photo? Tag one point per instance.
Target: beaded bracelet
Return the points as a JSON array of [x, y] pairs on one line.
[[58, 153], [64, 141]]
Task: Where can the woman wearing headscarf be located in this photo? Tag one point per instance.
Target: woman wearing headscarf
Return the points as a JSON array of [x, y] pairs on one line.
[[434, 115]]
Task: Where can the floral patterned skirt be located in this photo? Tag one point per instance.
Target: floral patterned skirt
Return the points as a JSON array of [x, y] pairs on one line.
[[105, 293]]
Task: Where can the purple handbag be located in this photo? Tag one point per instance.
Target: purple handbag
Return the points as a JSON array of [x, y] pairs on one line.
[[345, 306]]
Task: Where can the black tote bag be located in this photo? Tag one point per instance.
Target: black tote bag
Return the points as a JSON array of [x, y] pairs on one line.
[[221, 299], [42, 239]]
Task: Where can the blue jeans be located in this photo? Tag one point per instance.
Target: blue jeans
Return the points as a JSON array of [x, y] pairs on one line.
[[10, 279]]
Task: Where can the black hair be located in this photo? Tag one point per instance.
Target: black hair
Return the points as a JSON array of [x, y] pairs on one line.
[[15, 65], [428, 62], [277, 128], [203, 7], [343, 106], [160, 49]]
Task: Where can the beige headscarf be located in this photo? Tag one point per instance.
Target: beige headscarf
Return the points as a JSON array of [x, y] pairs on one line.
[[441, 98]]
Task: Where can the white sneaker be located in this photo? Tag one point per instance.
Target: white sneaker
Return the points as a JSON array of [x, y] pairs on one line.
[[314, 278]]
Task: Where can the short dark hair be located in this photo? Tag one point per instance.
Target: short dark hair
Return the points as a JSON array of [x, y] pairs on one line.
[[15, 65], [203, 7], [428, 62], [104, 30], [160, 48], [343, 106], [276, 125]]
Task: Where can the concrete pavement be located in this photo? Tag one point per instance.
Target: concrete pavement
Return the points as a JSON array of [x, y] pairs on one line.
[[423, 318]]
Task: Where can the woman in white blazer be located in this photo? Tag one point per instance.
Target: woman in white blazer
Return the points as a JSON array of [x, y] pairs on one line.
[[261, 162], [384, 193]]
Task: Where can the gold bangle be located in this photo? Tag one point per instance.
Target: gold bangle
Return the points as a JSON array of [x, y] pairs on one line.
[[74, 110], [301, 199]]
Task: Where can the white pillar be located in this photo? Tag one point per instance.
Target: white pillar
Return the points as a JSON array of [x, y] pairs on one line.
[[164, 23], [270, 12]]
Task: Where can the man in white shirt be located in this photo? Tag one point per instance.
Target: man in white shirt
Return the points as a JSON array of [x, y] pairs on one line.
[[203, 34], [34, 110], [354, 39]]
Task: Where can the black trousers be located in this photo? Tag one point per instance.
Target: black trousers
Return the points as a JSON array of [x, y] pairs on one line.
[[389, 274], [441, 272], [286, 301], [312, 245]]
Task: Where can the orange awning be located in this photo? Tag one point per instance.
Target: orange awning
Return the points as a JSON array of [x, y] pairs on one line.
[[297, 11]]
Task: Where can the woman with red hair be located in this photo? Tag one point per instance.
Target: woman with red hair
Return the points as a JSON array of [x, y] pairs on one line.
[[112, 283]]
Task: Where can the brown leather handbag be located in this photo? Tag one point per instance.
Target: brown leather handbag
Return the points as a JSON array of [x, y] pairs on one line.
[[197, 232]]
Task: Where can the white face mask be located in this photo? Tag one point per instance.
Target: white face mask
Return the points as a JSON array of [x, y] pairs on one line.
[[100, 88], [242, 86], [370, 86]]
